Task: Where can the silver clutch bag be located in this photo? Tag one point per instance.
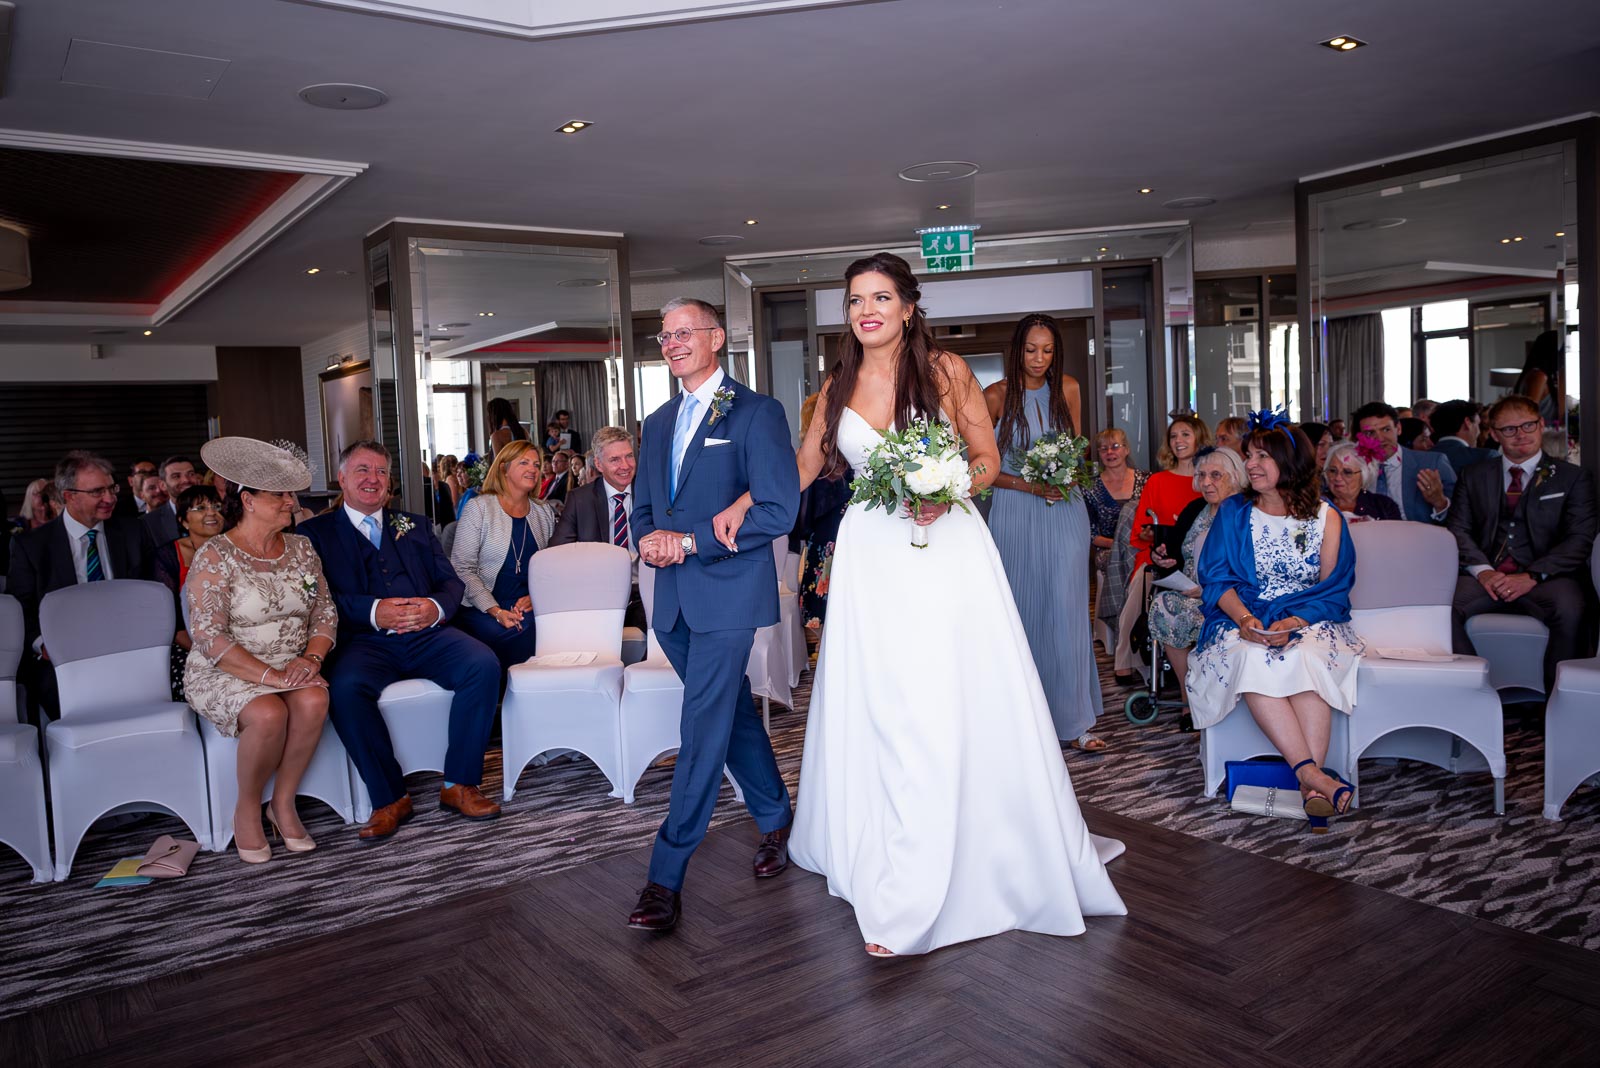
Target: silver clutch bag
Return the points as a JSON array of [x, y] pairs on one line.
[[1269, 801]]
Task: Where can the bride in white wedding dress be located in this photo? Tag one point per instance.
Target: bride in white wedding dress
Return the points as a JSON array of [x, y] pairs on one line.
[[933, 794]]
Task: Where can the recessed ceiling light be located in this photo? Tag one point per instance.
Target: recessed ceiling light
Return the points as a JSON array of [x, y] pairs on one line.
[[1561, 233], [1146, 189], [1516, 239], [1343, 43], [944, 207], [483, 314], [313, 270], [1104, 249], [147, 333], [751, 222], [721, 239], [343, 96], [581, 283], [573, 126], [946, 170]]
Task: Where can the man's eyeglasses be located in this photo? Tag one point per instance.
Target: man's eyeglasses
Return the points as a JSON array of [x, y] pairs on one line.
[[1532, 426], [98, 491], [682, 334]]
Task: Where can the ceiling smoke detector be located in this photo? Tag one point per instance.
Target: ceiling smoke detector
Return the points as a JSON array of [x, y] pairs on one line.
[[721, 239], [946, 170], [1185, 203], [581, 283], [343, 96]]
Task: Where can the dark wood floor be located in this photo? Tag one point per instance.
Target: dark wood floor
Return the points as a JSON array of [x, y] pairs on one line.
[[1226, 958]]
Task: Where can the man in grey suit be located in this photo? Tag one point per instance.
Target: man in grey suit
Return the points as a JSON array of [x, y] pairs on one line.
[[1455, 435], [1525, 527], [1419, 482], [161, 524], [599, 510]]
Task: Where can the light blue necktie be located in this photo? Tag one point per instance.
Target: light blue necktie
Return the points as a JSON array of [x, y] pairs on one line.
[[682, 431], [373, 534], [1383, 479]]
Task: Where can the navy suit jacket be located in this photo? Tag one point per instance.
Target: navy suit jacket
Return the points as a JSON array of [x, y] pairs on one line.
[[1412, 462], [1462, 456], [343, 565], [716, 589]]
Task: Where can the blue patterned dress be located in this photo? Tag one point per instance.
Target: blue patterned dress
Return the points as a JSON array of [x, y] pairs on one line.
[[1045, 550], [1320, 658]]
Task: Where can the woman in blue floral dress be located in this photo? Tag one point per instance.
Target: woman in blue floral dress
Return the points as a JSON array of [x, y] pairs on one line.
[[1276, 572]]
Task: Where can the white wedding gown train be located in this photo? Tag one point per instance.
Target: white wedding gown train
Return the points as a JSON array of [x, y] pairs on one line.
[[933, 793]]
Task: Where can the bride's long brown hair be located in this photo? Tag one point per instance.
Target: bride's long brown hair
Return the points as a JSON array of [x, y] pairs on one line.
[[916, 383]]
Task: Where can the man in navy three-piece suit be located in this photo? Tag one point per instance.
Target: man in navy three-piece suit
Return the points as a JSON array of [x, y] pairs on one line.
[[396, 591], [700, 452]]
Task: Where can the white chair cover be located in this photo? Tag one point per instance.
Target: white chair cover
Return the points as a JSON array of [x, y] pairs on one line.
[[327, 779], [122, 743], [416, 713], [23, 823], [1405, 582], [580, 593], [1572, 723]]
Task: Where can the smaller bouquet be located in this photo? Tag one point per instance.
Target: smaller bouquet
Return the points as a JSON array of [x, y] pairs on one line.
[[476, 468], [922, 464], [1058, 460]]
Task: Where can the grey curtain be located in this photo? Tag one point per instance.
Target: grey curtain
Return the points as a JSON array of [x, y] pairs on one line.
[[579, 386], [1355, 363]]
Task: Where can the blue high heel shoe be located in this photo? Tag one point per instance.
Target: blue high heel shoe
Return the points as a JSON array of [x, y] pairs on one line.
[[1325, 808]]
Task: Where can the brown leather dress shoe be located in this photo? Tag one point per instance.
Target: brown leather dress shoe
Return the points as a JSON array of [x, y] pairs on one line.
[[468, 801], [387, 820], [658, 909], [772, 855]]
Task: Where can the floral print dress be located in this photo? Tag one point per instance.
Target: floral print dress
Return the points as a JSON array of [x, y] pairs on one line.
[[272, 608], [1321, 658]]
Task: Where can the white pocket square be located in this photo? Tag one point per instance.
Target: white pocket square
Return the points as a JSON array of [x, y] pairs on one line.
[[717, 441], [1553, 496]]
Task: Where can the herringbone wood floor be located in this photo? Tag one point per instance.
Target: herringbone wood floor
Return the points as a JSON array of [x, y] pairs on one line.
[[1225, 958]]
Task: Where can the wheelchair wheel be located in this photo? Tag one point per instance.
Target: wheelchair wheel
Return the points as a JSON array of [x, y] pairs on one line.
[[1141, 709]]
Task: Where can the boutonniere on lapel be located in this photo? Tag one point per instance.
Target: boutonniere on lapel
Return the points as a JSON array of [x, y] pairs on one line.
[[308, 585], [401, 524], [721, 404], [1542, 472]]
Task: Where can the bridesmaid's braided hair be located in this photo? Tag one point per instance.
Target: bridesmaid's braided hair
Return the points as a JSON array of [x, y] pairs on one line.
[[1013, 420]]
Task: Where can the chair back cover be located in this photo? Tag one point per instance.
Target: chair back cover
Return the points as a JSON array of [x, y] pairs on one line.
[[1403, 564], [110, 642], [580, 593], [10, 656]]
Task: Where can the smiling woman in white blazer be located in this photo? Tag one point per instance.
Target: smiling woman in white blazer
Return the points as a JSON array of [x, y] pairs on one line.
[[499, 530]]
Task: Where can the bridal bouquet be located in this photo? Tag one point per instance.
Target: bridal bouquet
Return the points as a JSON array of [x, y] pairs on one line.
[[1058, 460], [919, 465]]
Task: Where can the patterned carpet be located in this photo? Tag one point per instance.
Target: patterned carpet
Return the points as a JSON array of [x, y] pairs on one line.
[[1422, 834]]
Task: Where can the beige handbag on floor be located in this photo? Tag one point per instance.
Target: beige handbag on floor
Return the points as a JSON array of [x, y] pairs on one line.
[[169, 858]]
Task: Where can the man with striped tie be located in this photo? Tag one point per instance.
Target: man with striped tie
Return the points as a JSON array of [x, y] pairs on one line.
[[599, 510], [86, 543]]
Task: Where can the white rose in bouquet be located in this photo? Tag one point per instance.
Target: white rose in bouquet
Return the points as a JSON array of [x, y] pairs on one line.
[[927, 479], [957, 475]]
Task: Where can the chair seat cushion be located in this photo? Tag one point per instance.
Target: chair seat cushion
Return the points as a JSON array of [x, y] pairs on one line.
[[650, 676], [408, 689], [1494, 624], [1579, 676], [1464, 672], [602, 673], [18, 740], [87, 728]]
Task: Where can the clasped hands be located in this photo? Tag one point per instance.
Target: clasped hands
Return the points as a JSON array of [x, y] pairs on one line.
[[511, 618], [301, 671], [662, 548], [405, 615], [1504, 587], [1277, 634]]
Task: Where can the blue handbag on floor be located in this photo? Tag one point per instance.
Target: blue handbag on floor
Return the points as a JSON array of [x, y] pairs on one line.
[[1273, 771]]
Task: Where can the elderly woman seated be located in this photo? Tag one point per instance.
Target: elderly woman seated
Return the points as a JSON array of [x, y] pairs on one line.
[[1350, 473], [1275, 574], [1175, 613]]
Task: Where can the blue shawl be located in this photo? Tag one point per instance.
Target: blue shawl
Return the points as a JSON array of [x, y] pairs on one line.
[[1228, 562]]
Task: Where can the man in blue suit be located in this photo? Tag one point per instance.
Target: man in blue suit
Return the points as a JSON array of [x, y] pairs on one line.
[[700, 452], [1455, 434], [1419, 482], [396, 591]]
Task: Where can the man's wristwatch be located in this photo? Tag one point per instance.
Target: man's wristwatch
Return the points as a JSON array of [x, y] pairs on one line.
[[688, 545]]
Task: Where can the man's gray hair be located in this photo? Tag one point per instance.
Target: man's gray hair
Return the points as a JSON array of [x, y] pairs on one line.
[[368, 446], [608, 435], [707, 312], [77, 460]]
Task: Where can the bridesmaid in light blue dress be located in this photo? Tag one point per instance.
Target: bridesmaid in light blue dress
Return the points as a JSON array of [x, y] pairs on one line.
[[1043, 540]]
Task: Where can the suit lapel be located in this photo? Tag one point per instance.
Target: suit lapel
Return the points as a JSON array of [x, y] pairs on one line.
[[62, 571]]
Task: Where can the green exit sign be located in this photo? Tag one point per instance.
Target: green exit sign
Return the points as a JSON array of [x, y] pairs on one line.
[[942, 264], [947, 243]]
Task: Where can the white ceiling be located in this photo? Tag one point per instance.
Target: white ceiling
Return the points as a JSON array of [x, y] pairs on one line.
[[801, 118]]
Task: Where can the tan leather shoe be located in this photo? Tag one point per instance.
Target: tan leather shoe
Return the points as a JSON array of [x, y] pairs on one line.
[[386, 820], [468, 801]]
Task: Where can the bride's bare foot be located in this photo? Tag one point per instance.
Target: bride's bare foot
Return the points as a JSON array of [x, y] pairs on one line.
[[875, 950]]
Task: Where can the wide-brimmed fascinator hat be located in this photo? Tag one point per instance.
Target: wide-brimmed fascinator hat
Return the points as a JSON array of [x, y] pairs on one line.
[[256, 465]]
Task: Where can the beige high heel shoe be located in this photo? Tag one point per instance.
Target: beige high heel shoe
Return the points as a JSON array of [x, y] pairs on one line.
[[293, 845], [253, 856]]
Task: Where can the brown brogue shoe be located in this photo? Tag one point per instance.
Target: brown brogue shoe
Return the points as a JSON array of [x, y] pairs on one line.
[[772, 855], [387, 820], [468, 802], [658, 909]]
